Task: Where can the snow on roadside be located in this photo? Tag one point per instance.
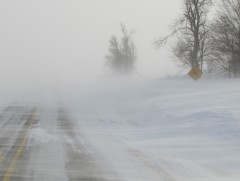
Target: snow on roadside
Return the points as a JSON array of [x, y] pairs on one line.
[[173, 129]]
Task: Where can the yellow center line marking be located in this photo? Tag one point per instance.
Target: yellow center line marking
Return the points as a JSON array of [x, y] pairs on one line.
[[2, 157], [7, 176]]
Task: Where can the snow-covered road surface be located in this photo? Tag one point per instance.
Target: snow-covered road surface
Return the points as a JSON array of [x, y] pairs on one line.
[[41, 144]]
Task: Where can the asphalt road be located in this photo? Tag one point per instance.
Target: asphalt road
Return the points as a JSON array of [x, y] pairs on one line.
[[41, 144]]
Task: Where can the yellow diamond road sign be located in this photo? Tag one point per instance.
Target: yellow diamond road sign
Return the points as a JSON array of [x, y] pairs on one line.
[[195, 73]]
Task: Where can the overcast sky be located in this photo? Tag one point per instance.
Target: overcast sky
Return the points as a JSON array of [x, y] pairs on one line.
[[66, 40]]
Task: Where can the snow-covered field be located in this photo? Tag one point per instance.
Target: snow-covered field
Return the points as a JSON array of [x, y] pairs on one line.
[[167, 129]]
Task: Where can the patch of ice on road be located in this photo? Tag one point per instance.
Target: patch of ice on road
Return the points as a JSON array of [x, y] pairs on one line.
[[42, 136]]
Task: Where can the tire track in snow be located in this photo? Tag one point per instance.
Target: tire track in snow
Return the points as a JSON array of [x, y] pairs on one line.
[[82, 163], [79, 164]]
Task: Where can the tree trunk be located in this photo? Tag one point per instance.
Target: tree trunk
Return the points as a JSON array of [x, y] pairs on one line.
[[195, 53]]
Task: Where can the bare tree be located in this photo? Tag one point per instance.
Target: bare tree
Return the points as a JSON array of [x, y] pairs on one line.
[[192, 33], [226, 38], [122, 54]]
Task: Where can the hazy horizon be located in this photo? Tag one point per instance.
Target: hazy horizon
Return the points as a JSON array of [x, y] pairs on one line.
[[66, 41]]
